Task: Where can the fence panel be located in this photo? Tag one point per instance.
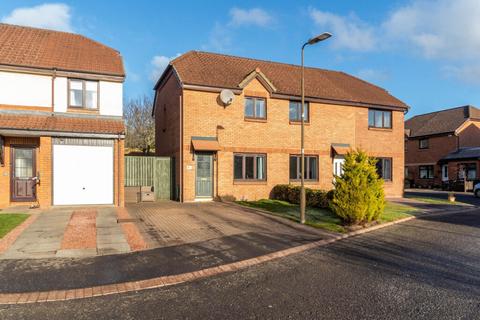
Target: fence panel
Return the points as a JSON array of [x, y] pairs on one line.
[[149, 171]]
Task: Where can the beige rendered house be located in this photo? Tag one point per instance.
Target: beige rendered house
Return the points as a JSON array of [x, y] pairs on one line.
[[244, 141]]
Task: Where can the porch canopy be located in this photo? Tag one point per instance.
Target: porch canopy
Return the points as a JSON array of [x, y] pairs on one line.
[[205, 144], [468, 153], [340, 149]]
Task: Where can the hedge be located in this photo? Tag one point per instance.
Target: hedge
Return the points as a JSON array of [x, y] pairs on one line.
[[291, 193]]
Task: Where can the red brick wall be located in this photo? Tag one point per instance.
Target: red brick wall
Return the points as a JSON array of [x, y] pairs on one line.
[[278, 139], [167, 122]]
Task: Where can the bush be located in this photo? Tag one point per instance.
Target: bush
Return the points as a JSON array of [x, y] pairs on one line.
[[358, 196], [291, 193]]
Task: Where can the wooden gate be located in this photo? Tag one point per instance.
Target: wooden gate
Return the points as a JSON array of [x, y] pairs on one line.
[[150, 171]]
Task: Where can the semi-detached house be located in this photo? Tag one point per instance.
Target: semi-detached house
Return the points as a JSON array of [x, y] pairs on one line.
[[61, 127], [245, 148]]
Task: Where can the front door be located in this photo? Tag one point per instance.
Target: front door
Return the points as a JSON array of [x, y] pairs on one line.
[[338, 165], [23, 171], [204, 178]]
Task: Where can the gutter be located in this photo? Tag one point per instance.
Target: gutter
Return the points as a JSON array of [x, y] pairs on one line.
[[38, 133]]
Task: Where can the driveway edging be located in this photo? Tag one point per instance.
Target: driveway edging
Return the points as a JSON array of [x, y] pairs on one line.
[[164, 281]]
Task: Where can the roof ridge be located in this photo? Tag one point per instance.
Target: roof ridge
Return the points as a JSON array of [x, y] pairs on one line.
[[439, 111], [262, 60], [58, 31]]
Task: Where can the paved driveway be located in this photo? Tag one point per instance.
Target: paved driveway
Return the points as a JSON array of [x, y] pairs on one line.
[[168, 223]]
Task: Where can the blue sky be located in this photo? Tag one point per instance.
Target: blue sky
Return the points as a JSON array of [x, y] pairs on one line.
[[424, 52]]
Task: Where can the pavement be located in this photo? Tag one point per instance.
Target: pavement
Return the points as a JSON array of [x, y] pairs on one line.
[[184, 238], [425, 268], [463, 197]]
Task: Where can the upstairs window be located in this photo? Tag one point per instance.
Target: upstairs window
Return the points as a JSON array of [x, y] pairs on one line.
[[83, 94], [423, 143], [255, 108], [379, 119], [384, 168], [295, 111]]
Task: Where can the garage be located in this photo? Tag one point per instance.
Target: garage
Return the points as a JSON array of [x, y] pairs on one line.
[[82, 171]]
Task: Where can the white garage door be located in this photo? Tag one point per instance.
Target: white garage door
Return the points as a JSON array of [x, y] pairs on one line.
[[82, 172]]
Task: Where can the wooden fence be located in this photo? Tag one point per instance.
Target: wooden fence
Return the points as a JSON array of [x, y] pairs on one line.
[[150, 171]]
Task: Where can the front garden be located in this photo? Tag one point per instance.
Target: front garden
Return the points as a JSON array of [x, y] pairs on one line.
[[8, 222], [357, 200]]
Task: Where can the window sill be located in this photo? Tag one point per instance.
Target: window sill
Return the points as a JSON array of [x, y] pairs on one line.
[[307, 123], [309, 182], [380, 129], [82, 110], [249, 182], [255, 119]]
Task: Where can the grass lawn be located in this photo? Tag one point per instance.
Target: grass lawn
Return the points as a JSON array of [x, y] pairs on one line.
[[434, 200], [9, 221], [322, 218]]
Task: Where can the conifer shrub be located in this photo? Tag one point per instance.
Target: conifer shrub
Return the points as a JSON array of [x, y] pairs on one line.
[[358, 197]]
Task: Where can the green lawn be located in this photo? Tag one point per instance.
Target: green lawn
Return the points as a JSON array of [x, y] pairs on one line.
[[322, 218], [434, 200], [9, 221]]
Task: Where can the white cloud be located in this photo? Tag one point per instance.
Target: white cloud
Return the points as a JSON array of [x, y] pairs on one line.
[[349, 31], [437, 28], [54, 16], [468, 73], [219, 39], [373, 75], [159, 63], [256, 17]]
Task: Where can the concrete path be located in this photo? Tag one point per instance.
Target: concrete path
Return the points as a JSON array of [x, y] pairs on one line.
[[422, 269], [56, 233]]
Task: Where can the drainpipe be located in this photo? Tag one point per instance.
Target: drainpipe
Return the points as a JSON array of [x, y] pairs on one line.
[[54, 76], [180, 189]]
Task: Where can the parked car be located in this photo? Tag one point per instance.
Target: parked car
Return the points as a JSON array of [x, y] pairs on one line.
[[476, 190]]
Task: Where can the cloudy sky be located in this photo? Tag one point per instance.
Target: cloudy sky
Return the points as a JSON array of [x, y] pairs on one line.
[[424, 52]]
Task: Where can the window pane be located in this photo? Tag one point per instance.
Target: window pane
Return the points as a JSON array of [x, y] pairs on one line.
[[91, 94], [294, 113], [387, 123], [259, 108], [249, 107], [249, 165], [76, 93], [378, 119], [371, 118], [387, 169], [312, 171], [379, 168], [307, 111], [260, 167], [238, 165], [293, 168], [23, 163]]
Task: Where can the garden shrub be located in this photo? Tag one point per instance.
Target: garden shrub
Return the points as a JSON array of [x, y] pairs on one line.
[[291, 193], [358, 197]]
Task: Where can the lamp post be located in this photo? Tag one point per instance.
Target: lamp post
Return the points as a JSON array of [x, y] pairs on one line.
[[311, 41]]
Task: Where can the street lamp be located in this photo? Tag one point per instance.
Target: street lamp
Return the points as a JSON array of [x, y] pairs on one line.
[[314, 40]]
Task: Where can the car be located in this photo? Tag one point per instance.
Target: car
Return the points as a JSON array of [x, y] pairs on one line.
[[476, 190]]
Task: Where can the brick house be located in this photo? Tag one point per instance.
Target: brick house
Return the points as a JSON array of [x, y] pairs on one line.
[[244, 148], [442, 146], [61, 126]]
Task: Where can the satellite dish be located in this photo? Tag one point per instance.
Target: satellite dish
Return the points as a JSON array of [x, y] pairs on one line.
[[226, 96]]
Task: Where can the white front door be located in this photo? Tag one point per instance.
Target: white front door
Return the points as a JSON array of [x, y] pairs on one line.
[[82, 175], [338, 165]]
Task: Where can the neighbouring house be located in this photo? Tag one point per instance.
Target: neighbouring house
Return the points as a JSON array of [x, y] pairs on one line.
[[443, 148], [61, 126], [244, 148]]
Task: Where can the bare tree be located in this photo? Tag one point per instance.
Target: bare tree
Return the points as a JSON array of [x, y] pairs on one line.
[[140, 124]]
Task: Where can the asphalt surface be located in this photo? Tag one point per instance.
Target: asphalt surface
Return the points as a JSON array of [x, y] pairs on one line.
[[460, 196], [426, 268]]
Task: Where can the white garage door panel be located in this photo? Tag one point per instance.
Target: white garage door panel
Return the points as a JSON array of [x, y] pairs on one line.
[[82, 175]]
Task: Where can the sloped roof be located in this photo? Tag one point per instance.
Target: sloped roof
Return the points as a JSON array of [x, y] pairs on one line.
[[464, 153], [223, 71], [48, 49], [439, 122], [58, 123]]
